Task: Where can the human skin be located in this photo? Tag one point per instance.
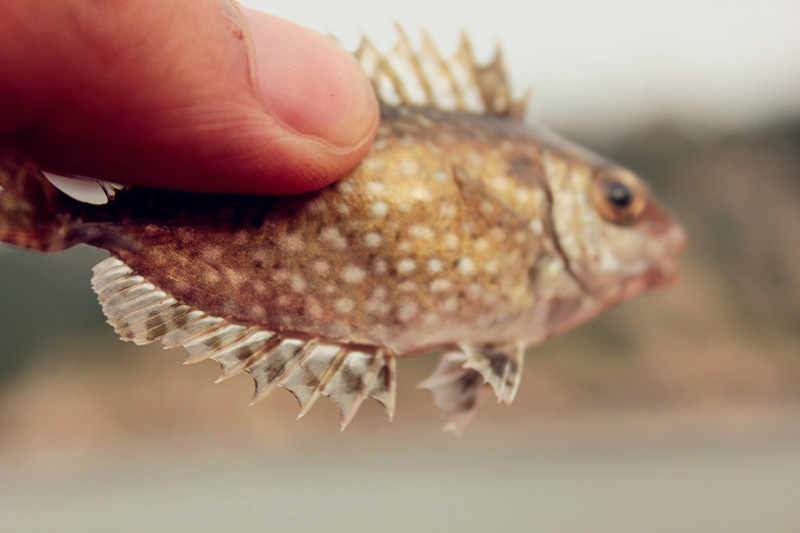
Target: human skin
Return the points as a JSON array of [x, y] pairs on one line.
[[199, 95]]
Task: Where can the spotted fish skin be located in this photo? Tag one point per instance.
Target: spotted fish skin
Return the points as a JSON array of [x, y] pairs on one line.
[[463, 230], [409, 251]]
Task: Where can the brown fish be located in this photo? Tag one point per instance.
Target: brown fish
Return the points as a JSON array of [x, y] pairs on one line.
[[463, 230]]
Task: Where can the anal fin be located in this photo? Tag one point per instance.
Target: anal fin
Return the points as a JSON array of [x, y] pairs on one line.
[[304, 365]]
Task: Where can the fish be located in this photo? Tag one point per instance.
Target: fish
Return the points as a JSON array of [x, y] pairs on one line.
[[464, 231]]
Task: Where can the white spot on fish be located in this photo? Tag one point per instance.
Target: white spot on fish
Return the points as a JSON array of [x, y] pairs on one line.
[[342, 208], [404, 246], [497, 234], [373, 164], [332, 237], [376, 187], [406, 266], [316, 207], [450, 305], [379, 293], [441, 175], [451, 241], [440, 285], [234, 277], [421, 194], [430, 319], [379, 208], [539, 197], [211, 253], [298, 283], [241, 237], [380, 266], [474, 290], [344, 305], [321, 267], [408, 286], [292, 242], [609, 262], [466, 266], [475, 158], [447, 210], [313, 308], [353, 274], [261, 255], [499, 183], [424, 121], [554, 268], [419, 231], [407, 311], [409, 167], [281, 275], [378, 307], [372, 239], [345, 187], [433, 147], [435, 266]]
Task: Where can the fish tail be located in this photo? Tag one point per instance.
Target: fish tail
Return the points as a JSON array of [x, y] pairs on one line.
[[33, 213]]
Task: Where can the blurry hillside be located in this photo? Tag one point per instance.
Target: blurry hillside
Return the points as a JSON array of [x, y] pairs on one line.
[[727, 338]]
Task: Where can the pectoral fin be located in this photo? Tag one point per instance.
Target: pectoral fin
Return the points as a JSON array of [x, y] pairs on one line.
[[500, 366], [460, 378], [456, 390]]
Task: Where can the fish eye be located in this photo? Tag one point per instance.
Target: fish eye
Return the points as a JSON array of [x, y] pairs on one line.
[[618, 196]]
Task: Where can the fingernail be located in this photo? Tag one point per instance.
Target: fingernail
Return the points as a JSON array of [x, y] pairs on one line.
[[309, 82]]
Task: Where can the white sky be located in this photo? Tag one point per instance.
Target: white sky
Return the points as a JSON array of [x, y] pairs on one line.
[[606, 65]]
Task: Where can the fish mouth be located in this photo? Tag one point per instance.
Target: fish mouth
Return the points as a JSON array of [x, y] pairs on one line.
[[665, 272], [676, 240], [663, 275]]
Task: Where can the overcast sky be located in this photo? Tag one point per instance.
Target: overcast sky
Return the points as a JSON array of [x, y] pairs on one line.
[[606, 65]]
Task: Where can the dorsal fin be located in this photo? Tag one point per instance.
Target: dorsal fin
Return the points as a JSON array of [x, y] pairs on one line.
[[408, 78], [307, 367]]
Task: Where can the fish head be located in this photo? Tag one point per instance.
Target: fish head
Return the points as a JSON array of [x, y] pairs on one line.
[[617, 238]]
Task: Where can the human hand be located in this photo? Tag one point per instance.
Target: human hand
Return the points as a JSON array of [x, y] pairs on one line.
[[200, 95]]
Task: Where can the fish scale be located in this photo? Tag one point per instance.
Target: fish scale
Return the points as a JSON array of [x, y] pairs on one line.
[[464, 230]]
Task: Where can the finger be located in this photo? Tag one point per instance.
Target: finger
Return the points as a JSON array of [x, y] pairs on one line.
[[198, 95]]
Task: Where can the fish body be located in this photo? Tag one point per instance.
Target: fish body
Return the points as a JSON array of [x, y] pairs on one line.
[[463, 230]]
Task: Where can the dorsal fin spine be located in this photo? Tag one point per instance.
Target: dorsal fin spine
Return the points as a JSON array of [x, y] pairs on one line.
[[475, 88], [429, 45], [404, 47]]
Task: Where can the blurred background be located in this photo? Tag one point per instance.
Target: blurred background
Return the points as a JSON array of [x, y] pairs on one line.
[[677, 412]]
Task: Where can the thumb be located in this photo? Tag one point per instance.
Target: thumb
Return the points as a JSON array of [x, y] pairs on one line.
[[198, 95]]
